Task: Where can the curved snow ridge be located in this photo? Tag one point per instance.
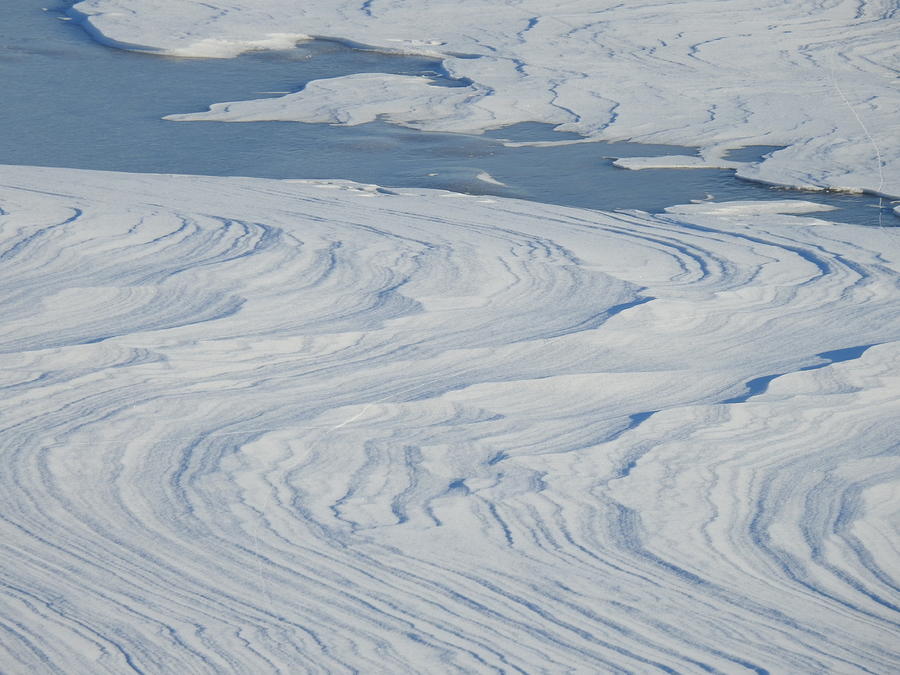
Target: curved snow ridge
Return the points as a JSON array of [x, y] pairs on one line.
[[816, 77], [257, 426]]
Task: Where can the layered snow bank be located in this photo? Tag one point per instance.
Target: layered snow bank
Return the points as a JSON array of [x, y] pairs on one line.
[[254, 425], [819, 78]]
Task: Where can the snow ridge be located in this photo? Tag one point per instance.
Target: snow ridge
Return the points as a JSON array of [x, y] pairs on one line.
[[259, 426]]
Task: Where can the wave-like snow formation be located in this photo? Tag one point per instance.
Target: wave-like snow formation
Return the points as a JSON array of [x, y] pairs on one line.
[[253, 425], [818, 77]]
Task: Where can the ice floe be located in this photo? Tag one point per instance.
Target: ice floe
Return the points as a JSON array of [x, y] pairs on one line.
[[818, 78], [673, 162], [749, 207], [254, 426], [485, 177]]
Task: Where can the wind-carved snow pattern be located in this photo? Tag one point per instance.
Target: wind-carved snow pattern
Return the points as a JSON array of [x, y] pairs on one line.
[[819, 78], [304, 426]]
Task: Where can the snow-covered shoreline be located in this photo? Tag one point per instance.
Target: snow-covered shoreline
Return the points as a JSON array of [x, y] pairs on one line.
[[819, 79], [256, 426]]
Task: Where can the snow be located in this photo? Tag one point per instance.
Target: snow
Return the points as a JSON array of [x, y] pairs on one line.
[[255, 426], [351, 100], [818, 78], [749, 207], [488, 178], [673, 162]]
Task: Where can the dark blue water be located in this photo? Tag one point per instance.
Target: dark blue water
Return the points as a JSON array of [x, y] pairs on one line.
[[71, 102]]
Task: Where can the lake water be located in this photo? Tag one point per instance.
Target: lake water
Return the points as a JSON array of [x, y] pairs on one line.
[[71, 102]]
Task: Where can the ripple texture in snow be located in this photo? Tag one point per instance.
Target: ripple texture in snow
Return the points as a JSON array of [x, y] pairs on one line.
[[256, 426]]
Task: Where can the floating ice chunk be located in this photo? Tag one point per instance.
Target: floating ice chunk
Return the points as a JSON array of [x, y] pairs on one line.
[[672, 162], [545, 144], [488, 178], [749, 208]]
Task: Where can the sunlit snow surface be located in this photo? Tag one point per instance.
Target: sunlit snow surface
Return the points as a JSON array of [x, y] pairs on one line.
[[253, 425], [817, 77]]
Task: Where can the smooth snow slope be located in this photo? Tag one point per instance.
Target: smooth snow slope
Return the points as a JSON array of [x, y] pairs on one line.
[[819, 77], [253, 425]]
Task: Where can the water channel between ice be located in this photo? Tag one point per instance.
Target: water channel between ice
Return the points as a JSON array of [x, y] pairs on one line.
[[72, 102]]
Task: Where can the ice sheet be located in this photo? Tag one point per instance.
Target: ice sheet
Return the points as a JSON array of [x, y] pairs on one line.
[[816, 77], [253, 426]]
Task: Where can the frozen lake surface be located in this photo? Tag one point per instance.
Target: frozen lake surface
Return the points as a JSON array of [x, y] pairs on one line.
[[71, 102]]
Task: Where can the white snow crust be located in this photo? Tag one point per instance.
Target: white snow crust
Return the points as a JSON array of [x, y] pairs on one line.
[[817, 77], [673, 162], [307, 426]]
